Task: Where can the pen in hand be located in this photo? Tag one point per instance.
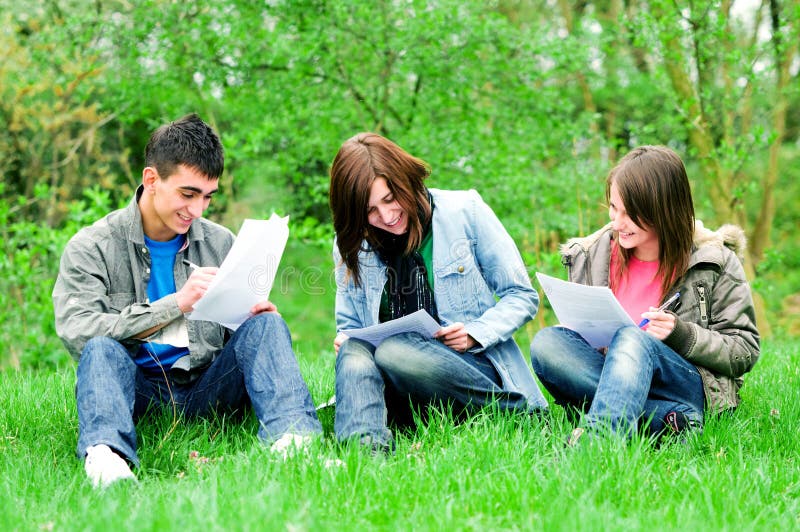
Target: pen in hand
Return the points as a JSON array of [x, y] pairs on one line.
[[663, 307], [190, 264]]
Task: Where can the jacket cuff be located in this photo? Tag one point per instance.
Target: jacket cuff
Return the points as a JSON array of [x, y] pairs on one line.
[[482, 334], [166, 309], [682, 337]]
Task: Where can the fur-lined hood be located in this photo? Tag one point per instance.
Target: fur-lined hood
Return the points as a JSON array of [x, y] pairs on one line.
[[729, 235]]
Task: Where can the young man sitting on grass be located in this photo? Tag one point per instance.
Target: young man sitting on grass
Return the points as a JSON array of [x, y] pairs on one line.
[[123, 289]]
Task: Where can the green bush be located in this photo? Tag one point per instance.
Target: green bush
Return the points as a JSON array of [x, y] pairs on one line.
[[29, 262]]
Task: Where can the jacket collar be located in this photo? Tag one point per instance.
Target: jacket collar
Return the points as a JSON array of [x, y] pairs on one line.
[[573, 246]]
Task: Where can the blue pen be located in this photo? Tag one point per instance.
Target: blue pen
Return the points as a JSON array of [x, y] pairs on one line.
[[666, 305]]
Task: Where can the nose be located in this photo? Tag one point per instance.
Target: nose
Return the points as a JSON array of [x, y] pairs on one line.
[[386, 213], [616, 218], [196, 207]]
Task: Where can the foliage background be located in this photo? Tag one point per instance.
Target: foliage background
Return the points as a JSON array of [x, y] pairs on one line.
[[528, 101]]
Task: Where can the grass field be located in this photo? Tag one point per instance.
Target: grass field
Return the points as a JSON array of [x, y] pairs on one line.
[[494, 471]]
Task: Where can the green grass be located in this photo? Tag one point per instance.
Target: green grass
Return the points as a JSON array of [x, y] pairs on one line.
[[495, 471]]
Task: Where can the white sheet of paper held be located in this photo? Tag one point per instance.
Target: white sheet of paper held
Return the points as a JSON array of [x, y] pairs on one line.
[[246, 275], [419, 322], [591, 311]]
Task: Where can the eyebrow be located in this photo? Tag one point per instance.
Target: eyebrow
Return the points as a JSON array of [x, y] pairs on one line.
[[197, 190]]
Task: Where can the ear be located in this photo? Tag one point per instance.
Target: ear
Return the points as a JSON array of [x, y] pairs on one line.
[[149, 178]]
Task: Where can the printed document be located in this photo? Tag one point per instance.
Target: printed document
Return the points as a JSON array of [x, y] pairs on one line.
[[591, 311], [246, 275], [419, 322]]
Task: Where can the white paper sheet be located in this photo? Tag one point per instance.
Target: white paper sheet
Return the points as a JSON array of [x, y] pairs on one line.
[[591, 311], [419, 322], [246, 275]]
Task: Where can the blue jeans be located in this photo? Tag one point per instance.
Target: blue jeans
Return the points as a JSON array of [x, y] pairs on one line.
[[639, 379], [257, 366], [415, 370]]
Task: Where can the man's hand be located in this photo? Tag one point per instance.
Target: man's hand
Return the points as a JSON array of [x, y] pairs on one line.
[[195, 288], [264, 306], [455, 337]]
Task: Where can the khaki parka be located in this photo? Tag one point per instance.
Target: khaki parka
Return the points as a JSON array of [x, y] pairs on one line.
[[715, 328]]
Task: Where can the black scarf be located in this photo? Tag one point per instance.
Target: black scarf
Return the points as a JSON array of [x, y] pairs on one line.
[[407, 287]]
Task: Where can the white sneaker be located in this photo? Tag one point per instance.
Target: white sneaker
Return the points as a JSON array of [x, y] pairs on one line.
[[291, 444], [104, 467]]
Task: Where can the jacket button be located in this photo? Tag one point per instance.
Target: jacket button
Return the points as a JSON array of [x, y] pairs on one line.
[[460, 269]]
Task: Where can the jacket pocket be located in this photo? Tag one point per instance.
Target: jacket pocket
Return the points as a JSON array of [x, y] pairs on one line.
[[461, 284], [119, 302]]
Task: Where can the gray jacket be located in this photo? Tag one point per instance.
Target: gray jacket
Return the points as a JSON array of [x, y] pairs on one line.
[[716, 329], [101, 289]]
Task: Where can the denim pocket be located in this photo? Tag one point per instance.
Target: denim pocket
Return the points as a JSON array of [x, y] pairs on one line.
[[462, 284]]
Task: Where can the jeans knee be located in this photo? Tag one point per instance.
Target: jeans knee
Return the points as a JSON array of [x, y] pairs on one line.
[[267, 323], [106, 351], [402, 358], [261, 334], [630, 333], [631, 342], [547, 348], [354, 356], [391, 352]]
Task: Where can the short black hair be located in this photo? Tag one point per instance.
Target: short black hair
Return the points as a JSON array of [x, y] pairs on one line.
[[187, 141]]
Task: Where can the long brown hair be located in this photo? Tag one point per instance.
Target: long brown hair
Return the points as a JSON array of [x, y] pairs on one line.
[[655, 191], [361, 160]]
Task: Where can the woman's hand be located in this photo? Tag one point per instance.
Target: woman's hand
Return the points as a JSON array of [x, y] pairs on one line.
[[338, 341], [661, 323], [455, 337]]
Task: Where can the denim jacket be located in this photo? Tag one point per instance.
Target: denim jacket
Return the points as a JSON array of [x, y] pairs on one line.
[[715, 328], [479, 280], [101, 289]]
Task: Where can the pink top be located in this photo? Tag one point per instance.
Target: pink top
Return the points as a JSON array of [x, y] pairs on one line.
[[639, 288]]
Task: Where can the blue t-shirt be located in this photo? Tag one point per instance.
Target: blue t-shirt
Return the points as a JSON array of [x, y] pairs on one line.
[[162, 283]]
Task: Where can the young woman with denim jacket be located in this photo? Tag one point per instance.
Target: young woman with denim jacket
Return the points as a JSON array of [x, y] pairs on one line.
[[689, 356], [401, 247]]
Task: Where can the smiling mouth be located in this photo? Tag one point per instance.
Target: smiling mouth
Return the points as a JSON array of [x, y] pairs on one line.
[[394, 222], [185, 218]]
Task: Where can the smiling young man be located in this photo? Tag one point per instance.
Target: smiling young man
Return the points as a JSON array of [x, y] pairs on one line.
[[122, 292]]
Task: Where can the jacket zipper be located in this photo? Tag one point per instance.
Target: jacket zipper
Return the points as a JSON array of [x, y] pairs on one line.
[[701, 295]]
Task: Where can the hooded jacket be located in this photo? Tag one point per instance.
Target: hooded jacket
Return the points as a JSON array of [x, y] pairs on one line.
[[715, 328]]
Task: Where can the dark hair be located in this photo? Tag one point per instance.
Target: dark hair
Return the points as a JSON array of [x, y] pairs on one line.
[[187, 141], [361, 160], [656, 194]]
